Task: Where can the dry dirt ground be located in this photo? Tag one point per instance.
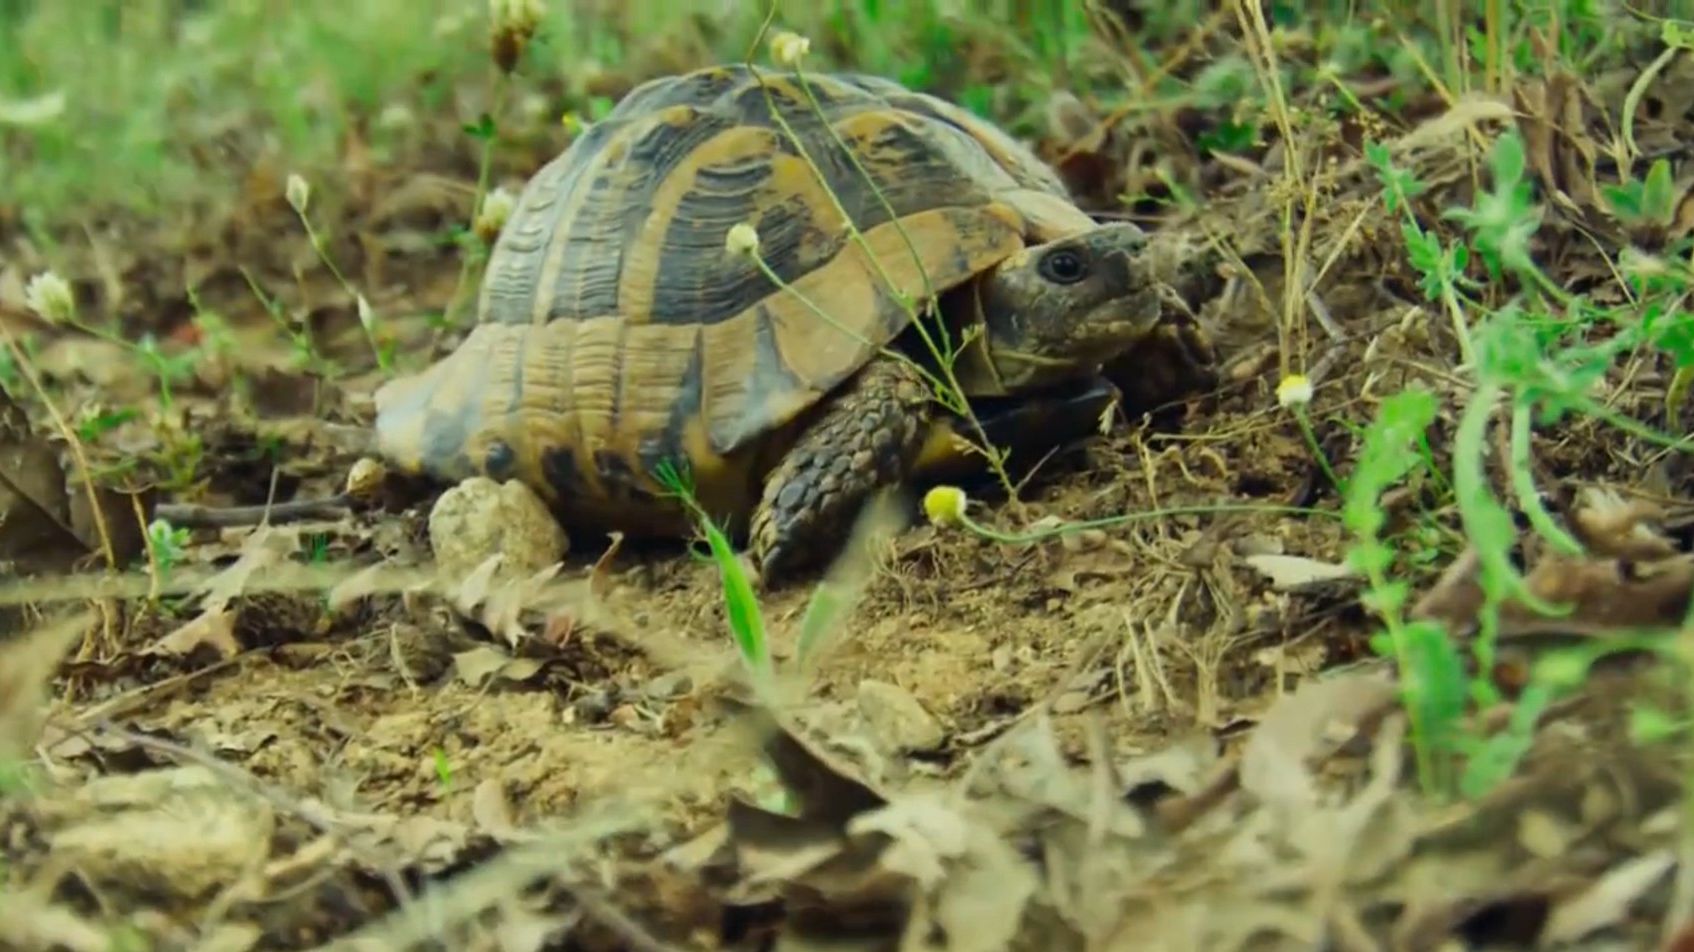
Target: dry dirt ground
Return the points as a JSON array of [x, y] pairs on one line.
[[1166, 733]]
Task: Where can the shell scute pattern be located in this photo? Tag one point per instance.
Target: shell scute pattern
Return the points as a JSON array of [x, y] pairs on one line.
[[615, 331]]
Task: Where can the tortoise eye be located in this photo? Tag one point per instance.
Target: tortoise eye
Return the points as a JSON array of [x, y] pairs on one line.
[[1064, 267]]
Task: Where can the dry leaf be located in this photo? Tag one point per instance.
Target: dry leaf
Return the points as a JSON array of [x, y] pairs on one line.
[[1292, 572], [213, 628], [264, 547], [1612, 528], [1467, 112], [1320, 715], [1607, 901], [493, 812], [1604, 597], [35, 516], [47, 520], [27, 666], [476, 666], [977, 882]]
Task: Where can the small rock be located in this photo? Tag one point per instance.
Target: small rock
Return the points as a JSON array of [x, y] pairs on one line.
[[898, 722], [667, 686], [480, 518]]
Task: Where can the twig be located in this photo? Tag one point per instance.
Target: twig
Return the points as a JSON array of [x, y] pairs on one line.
[[220, 517]]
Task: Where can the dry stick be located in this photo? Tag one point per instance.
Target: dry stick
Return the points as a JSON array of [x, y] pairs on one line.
[[1256, 33], [219, 517]]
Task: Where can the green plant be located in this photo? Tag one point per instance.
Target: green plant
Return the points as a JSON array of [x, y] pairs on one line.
[[741, 603], [299, 196], [166, 546], [1539, 356]]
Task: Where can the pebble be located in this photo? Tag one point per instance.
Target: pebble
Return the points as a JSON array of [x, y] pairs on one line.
[[897, 721], [480, 518], [667, 686]]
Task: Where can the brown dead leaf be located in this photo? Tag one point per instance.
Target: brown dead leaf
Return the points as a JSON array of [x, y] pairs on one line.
[[493, 811], [1604, 596], [213, 628], [824, 788], [773, 849], [1608, 900], [27, 666], [808, 858], [476, 666], [264, 547], [431, 843], [47, 519], [1182, 766], [1032, 768], [976, 882], [1468, 111], [1301, 657], [1610, 527], [510, 606], [35, 526], [1321, 714], [1555, 117]]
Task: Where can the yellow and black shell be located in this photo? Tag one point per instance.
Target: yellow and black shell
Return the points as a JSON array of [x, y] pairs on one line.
[[616, 332]]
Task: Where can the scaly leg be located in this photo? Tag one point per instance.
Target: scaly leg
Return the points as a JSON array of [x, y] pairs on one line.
[[864, 440]]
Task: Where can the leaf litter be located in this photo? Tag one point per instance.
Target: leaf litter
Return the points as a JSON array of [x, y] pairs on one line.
[[1166, 735]]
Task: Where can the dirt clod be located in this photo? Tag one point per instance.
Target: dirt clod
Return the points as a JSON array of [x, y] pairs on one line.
[[898, 722], [480, 518]]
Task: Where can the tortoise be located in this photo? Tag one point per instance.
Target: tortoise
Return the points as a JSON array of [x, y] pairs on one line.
[[618, 332]]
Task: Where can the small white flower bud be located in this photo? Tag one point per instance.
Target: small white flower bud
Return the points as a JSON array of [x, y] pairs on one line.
[[788, 48], [945, 505], [298, 193], [367, 317], [1294, 391], [50, 296], [491, 217], [743, 239]]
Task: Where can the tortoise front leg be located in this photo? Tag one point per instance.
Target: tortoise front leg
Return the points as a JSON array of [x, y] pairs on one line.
[[865, 439]]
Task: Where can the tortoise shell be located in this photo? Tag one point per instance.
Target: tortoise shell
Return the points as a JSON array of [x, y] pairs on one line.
[[615, 330]]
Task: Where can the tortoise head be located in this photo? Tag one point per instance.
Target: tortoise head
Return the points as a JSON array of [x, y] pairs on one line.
[[1059, 310]]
